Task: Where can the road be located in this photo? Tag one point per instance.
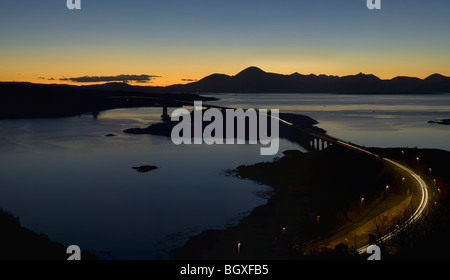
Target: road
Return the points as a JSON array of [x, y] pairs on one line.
[[420, 200], [420, 191]]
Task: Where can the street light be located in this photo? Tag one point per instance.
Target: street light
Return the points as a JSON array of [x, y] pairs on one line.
[[403, 184], [403, 154], [418, 160], [239, 247], [387, 188], [362, 201]]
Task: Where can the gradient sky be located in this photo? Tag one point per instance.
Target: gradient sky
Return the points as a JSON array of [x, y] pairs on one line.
[[189, 39]]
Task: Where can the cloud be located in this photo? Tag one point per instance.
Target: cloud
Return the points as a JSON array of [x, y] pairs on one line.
[[189, 80], [51, 79], [119, 78]]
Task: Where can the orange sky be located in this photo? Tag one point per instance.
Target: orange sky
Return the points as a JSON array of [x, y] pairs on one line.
[[193, 39], [178, 73]]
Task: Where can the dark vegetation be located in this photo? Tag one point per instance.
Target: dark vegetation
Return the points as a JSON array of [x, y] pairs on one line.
[[19, 243], [328, 183], [427, 239]]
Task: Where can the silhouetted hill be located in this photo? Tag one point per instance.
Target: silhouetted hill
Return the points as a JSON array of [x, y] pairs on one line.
[[124, 87], [19, 243], [255, 80], [27, 100]]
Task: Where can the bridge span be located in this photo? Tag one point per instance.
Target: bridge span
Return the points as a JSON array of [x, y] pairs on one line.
[[313, 138]]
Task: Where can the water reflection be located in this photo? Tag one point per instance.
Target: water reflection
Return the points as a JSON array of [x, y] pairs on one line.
[[370, 120], [64, 178]]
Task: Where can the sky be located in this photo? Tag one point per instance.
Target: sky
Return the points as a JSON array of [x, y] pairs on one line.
[[167, 42]]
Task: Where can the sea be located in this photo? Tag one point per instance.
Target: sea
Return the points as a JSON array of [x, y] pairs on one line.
[[63, 177]]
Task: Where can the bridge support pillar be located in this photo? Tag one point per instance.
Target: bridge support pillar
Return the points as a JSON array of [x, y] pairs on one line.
[[165, 116]]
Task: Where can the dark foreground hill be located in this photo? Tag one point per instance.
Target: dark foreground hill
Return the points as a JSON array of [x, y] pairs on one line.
[[19, 243]]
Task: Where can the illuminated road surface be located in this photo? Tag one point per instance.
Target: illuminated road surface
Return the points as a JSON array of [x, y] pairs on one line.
[[422, 188], [417, 182]]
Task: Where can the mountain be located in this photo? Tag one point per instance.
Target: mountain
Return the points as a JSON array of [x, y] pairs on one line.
[[255, 80]]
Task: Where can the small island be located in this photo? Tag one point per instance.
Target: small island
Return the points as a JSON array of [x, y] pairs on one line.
[[145, 168], [441, 121]]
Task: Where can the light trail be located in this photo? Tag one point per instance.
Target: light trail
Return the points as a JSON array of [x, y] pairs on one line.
[[422, 185], [414, 217]]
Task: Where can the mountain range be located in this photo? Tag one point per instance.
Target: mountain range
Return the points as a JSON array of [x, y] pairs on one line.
[[20, 100], [255, 80]]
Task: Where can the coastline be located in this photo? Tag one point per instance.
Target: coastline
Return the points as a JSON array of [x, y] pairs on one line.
[[279, 229], [20, 243], [267, 235], [281, 233]]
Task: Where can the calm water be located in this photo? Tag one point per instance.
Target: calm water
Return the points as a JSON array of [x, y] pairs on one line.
[[64, 178], [370, 120]]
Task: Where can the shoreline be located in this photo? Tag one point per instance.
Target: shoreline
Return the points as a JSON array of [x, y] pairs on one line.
[[278, 241], [262, 226], [280, 233], [20, 243], [279, 229]]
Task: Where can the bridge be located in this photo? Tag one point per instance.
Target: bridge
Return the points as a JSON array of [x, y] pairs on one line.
[[314, 139], [307, 137]]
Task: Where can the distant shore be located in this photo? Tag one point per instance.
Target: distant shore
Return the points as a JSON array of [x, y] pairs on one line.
[[442, 121], [26, 100]]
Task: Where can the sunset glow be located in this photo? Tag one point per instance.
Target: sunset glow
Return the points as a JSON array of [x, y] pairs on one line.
[[183, 41]]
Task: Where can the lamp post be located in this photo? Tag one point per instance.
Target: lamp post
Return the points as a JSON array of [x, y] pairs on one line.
[[362, 202], [386, 192]]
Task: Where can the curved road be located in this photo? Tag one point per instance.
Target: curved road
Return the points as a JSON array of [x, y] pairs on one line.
[[421, 191], [420, 197]]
